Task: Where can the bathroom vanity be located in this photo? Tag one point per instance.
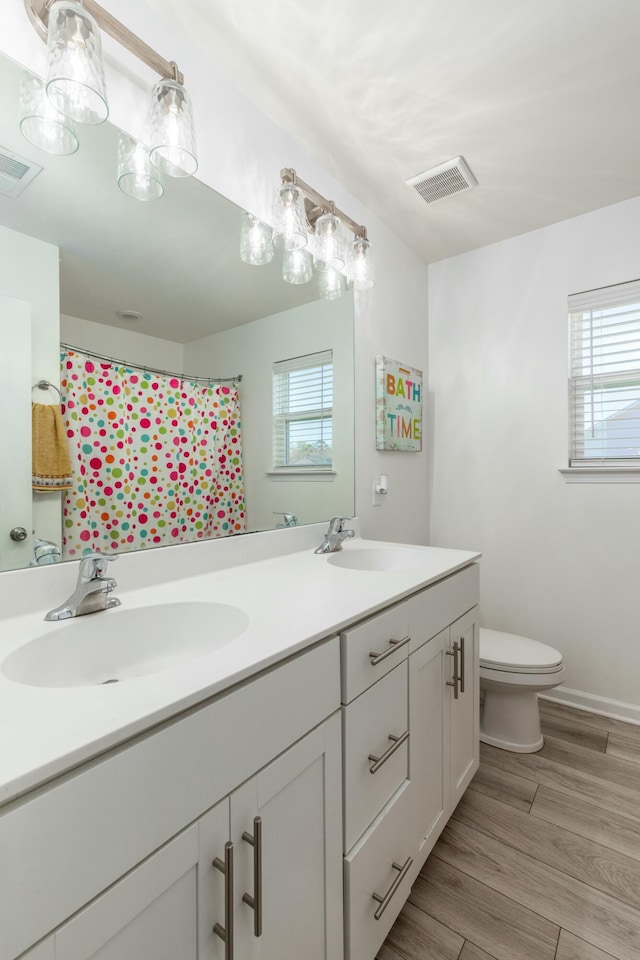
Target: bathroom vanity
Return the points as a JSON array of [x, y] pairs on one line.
[[275, 798]]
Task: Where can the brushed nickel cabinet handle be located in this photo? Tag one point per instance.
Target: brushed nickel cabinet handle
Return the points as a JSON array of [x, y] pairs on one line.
[[255, 901], [394, 645], [461, 664], [456, 675], [385, 899], [226, 933], [377, 762]]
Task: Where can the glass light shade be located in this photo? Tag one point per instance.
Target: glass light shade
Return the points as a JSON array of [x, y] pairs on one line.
[[137, 176], [329, 251], [75, 80], [173, 142], [332, 284], [256, 242], [289, 218], [297, 266], [361, 269], [40, 123]]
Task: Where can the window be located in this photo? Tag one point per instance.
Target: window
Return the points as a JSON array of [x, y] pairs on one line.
[[604, 377], [303, 412]]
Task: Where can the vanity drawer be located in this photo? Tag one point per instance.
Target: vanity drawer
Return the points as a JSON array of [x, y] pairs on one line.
[[65, 843], [367, 651], [439, 605], [369, 869], [369, 724]]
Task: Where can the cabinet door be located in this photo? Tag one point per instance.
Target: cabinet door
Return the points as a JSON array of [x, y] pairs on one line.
[[148, 915], [464, 713], [298, 801], [428, 706], [213, 837]]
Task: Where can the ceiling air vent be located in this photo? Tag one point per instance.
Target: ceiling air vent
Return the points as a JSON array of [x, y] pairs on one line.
[[444, 180], [16, 173]]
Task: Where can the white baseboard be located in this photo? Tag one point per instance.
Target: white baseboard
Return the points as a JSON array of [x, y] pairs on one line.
[[615, 709]]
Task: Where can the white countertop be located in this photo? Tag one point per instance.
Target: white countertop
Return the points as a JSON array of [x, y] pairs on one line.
[[292, 601]]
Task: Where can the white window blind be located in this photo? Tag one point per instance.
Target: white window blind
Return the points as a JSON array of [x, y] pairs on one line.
[[303, 412], [604, 376]]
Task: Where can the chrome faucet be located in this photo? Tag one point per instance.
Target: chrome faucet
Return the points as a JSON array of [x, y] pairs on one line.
[[334, 536], [288, 519], [91, 592]]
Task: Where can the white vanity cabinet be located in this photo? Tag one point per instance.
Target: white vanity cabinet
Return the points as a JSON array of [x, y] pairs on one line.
[[124, 847], [427, 696]]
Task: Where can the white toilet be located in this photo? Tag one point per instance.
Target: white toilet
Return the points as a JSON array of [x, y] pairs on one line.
[[513, 670]]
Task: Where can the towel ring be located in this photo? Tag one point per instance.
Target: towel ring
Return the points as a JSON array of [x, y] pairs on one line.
[[44, 385]]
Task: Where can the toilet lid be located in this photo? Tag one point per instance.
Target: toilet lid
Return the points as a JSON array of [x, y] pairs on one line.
[[507, 651]]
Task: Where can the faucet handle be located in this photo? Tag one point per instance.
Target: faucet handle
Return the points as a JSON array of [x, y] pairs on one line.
[[336, 524], [93, 566]]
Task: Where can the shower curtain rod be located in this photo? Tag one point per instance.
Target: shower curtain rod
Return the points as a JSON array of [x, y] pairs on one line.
[[137, 366]]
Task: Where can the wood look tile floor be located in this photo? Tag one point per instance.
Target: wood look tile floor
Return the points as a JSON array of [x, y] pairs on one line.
[[541, 859]]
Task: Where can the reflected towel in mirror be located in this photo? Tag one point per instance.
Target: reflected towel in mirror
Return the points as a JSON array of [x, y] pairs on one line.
[[50, 461]]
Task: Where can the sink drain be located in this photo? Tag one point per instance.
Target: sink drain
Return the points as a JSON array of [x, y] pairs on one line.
[[114, 680]]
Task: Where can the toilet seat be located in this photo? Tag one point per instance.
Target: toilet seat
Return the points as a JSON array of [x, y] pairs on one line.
[[510, 653]]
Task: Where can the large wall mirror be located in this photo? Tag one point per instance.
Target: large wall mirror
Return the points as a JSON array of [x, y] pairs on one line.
[[77, 258]]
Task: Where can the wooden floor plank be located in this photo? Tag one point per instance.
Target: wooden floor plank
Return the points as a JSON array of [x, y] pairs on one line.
[[504, 929], [508, 787], [549, 707], [598, 765], [625, 748], [595, 865], [471, 952], [588, 820], [572, 948], [573, 731], [418, 936], [600, 919], [609, 796]]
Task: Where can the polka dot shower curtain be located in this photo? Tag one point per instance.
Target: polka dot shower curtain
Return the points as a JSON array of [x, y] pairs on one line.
[[157, 459]]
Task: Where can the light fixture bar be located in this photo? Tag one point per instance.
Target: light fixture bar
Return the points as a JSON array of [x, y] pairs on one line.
[[289, 175], [38, 12]]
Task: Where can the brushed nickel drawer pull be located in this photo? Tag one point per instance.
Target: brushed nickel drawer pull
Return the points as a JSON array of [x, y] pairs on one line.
[[456, 675], [385, 900], [377, 762], [461, 664], [255, 901], [226, 933], [394, 645]]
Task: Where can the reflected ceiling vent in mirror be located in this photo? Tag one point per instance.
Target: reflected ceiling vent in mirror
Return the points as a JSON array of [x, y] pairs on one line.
[[442, 181], [16, 173]]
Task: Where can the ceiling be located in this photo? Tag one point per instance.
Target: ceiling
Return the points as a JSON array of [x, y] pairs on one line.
[[539, 97]]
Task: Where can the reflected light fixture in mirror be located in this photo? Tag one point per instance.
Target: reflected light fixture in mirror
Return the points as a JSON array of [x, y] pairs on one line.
[[137, 176], [332, 283], [256, 240], [297, 266], [41, 123]]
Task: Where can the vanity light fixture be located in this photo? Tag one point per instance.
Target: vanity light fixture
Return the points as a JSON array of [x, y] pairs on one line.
[[309, 229], [76, 86]]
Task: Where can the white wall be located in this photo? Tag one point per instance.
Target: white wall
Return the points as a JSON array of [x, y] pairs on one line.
[[137, 348], [561, 561], [251, 350], [29, 272], [241, 153]]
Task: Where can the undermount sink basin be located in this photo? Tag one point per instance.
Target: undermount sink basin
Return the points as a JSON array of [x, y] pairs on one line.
[[381, 559], [122, 644]]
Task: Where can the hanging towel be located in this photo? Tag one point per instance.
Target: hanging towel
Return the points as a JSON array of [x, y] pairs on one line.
[[50, 461]]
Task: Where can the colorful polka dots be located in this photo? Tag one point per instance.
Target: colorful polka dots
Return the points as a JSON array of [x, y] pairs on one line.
[[174, 443]]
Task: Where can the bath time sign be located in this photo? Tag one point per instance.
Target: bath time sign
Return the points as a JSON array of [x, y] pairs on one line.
[[398, 406]]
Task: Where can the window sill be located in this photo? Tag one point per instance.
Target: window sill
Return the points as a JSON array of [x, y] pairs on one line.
[[601, 474], [293, 475]]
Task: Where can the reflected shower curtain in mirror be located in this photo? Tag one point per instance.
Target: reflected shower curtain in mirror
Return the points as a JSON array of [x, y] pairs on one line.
[[157, 459]]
